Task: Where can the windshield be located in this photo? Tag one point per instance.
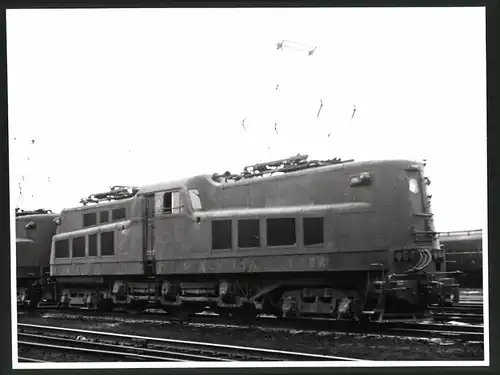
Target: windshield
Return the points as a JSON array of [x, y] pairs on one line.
[[194, 197]]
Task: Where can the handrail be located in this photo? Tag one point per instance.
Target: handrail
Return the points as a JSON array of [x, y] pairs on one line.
[[461, 233]]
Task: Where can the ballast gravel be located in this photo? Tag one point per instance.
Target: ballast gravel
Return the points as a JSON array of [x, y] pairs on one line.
[[368, 347]]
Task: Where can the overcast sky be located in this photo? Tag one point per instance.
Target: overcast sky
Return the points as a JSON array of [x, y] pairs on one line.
[[138, 96]]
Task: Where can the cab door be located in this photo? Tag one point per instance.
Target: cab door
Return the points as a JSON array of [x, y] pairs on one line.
[[149, 253]]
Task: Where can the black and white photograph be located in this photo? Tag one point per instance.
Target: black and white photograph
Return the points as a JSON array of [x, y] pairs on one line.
[[248, 187]]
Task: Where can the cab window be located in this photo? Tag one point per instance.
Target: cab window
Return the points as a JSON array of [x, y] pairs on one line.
[[194, 197], [167, 203]]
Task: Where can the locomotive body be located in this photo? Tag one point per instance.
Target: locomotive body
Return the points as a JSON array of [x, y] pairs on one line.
[[290, 237], [464, 253], [34, 231]]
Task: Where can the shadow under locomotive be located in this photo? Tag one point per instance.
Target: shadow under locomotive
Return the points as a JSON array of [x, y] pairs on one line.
[[290, 237]]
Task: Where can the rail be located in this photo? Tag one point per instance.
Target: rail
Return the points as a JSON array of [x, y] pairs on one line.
[[152, 348], [403, 328], [28, 359]]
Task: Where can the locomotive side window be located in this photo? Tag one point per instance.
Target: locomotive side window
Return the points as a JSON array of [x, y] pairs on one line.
[[89, 219], [103, 217], [167, 203], [222, 238], [172, 202], [313, 230], [248, 233], [93, 245], [281, 232], [194, 197], [78, 247], [107, 243], [62, 249], [118, 214]]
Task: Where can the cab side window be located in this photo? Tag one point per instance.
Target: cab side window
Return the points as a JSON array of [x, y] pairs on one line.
[[194, 196], [167, 203], [62, 248]]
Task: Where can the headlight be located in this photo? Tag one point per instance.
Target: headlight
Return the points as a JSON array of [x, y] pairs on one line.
[[413, 185]]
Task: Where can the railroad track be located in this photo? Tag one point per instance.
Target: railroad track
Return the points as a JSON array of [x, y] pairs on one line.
[[464, 312], [436, 330], [469, 312], [393, 328], [461, 317], [460, 308], [141, 348]]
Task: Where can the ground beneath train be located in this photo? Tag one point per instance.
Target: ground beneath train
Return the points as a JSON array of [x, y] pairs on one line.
[[369, 347]]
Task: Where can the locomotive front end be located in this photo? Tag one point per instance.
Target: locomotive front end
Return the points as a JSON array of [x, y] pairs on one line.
[[417, 275], [34, 231]]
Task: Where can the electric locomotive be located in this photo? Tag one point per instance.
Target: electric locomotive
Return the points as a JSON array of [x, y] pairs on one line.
[[464, 253], [291, 237], [34, 231]]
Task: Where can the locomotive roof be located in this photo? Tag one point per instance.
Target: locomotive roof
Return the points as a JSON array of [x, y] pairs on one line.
[[169, 185], [246, 179], [37, 216], [465, 235], [98, 206]]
